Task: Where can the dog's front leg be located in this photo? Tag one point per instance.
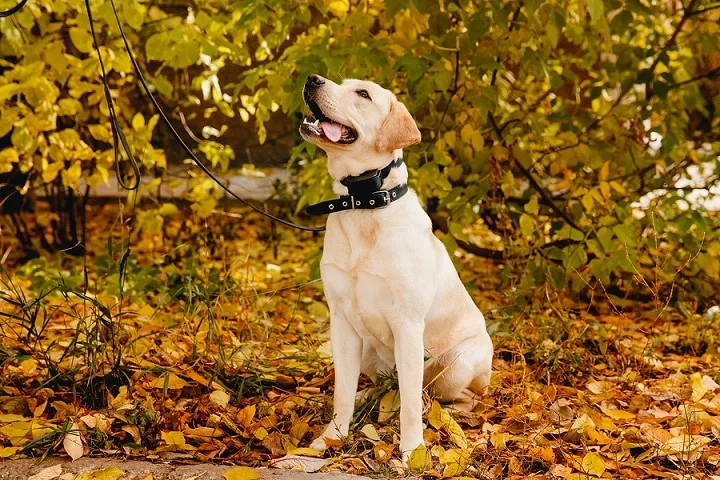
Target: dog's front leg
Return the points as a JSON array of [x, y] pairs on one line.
[[347, 354], [409, 352]]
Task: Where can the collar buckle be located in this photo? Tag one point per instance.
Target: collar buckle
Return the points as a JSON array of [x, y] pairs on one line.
[[386, 197]]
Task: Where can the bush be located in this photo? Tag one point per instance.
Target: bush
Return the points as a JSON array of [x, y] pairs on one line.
[[543, 123]]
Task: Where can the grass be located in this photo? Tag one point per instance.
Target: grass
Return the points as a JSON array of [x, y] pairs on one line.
[[217, 338]]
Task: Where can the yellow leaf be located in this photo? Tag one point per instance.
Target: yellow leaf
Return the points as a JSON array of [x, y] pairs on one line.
[[604, 171], [298, 430], [8, 451], [82, 39], [109, 473], [72, 443], [307, 452], [698, 387], [499, 440], [220, 398], [99, 132], [339, 8], [440, 419], [172, 381], [450, 138], [617, 414], [71, 176], [467, 133], [175, 440], [246, 415], [260, 433], [138, 122], [389, 405], [241, 473], [8, 157], [455, 461], [419, 458], [592, 464]]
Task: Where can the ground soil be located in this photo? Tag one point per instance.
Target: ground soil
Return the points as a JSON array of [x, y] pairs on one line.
[[140, 470]]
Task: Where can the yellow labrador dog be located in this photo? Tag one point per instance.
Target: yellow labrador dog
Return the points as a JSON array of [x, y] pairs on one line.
[[395, 298]]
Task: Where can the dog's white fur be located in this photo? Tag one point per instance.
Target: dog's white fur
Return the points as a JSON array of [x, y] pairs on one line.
[[395, 297]]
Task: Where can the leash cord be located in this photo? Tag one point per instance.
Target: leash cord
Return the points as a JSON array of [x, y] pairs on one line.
[[117, 130], [13, 10]]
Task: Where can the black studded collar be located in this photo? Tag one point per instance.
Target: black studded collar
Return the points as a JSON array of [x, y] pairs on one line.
[[364, 192]]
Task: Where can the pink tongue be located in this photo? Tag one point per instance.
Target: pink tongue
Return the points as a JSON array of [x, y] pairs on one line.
[[332, 130]]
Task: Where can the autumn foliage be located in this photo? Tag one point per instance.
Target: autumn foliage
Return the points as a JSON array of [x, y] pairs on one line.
[[569, 156]]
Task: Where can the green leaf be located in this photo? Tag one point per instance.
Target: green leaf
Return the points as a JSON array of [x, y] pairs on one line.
[[392, 7], [596, 9], [527, 224], [575, 257], [478, 26]]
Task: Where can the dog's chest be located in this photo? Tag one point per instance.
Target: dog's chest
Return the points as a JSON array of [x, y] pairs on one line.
[[352, 243], [357, 268]]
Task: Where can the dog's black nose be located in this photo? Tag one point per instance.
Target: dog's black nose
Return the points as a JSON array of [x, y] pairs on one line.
[[314, 81]]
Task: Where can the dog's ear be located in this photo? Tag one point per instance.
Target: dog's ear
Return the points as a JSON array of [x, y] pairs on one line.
[[398, 130]]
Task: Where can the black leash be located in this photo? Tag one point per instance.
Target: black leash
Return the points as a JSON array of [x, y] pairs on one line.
[[364, 190], [13, 10], [174, 132], [119, 138]]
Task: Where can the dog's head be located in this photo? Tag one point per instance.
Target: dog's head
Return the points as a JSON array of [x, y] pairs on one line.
[[356, 115]]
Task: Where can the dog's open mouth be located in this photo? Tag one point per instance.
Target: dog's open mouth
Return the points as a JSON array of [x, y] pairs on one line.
[[318, 124]]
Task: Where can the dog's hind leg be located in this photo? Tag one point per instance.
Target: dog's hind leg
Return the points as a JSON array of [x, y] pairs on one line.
[[462, 374]]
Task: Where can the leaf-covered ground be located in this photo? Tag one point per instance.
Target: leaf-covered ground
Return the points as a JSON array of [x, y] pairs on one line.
[[208, 342]]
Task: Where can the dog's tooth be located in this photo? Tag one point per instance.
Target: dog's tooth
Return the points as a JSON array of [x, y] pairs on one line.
[[316, 123]]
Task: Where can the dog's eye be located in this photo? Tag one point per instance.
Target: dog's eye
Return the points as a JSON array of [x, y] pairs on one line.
[[364, 94]]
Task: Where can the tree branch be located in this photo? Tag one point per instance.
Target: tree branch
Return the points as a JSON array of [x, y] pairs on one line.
[[538, 188], [671, 41], [702, 10], [715, 72]]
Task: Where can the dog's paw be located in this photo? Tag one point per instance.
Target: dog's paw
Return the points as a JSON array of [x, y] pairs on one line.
[[324, 442], [319, 444]]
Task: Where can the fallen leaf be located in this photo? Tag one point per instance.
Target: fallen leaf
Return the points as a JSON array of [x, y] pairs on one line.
[[8, 451], [370, 432], [220, 398], [308, 452], [47, 473], [455, 461], [299, 462], [246, 415], [241, 473], [169, 381], [593, 464], [175, 441], [701, 385], [109, 473], [419, 459], [389, 406], [561, 471], [616, 414], [440, 418], [72, 443]]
